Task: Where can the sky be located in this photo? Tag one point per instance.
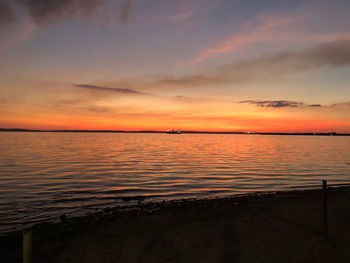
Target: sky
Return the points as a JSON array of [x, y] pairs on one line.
[[205, 65]]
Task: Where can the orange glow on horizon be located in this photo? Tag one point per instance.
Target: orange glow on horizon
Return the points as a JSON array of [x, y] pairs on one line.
[[210, 124]]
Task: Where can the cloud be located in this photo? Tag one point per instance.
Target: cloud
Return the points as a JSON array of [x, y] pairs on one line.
[[23, 33], [341, 104], [126, 11], [264, 68], [272, 28], [288, 104], [332, 54], [117, 90], [265, 28], [187, 99], [98, 109], [44, 12], [274, 103], [179, 17], [7, 16]]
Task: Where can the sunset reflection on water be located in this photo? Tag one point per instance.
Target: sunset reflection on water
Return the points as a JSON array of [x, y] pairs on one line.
[[44, 175]]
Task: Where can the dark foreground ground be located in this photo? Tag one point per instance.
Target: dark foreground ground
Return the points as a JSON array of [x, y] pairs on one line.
[[282, 227]]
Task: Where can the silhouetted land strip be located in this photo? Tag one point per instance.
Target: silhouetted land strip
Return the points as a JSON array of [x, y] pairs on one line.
[[268, 227], [189, 132]]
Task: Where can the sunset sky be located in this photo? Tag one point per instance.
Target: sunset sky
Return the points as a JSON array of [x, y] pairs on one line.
[[206, 65]]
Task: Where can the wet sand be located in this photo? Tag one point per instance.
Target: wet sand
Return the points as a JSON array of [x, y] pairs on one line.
[[272, 227]]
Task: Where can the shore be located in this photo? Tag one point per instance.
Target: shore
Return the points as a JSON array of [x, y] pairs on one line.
[[268, 227]]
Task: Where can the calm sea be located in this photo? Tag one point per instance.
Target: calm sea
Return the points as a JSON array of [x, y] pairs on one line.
[[45, 175]]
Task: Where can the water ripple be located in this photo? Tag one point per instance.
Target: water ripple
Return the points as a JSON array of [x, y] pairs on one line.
[[45, 175]]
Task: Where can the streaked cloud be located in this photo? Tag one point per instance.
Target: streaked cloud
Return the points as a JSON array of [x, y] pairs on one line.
[[288, 104], [332, 54], [107, 89], [7, 16], [279, 103], [274, 103], [341, 104], [98, 109], [179, 17], [264, 28], [25, 31], [46, 12], [126, 11], [269, 28], [193, 100]]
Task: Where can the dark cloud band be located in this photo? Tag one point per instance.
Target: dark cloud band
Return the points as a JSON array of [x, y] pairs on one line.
[[7, 16], [288, 104], [274, 103], [45, 12], [125, 12], [117, 90]]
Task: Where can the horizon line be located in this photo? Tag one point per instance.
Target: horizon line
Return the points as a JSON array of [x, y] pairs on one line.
[[184, 131]]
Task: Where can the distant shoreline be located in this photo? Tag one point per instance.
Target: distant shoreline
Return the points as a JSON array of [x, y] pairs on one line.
[[184, 132]]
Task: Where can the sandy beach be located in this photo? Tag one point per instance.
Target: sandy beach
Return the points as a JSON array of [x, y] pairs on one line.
[[268, 227]]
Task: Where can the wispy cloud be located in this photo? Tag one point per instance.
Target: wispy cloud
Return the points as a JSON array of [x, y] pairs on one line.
[[277, 103], [192, 100], [333, 55], [274, 103], [7, 16], [179, 17], [268, 67], [44, 12], [98, 109], [289, 104], [269, 28], [24, 32], [341, 104], [107, 89], [263, 28], [126, 11]]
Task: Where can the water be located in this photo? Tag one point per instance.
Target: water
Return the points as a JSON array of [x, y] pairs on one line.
[[45, 175]]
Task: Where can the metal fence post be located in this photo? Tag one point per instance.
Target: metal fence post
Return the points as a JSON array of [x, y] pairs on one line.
[[27, 246], [325, 212]]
